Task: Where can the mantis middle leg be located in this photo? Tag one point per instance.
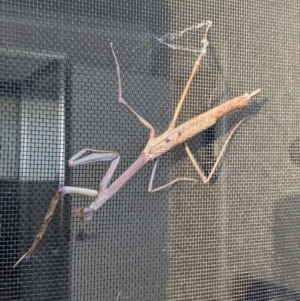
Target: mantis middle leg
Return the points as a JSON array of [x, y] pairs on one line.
[[149, 126]]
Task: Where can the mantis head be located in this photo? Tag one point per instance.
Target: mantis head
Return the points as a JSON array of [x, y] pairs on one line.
[[85, 213]]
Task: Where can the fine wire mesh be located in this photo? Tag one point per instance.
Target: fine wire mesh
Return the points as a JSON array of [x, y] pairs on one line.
[[236, 238]]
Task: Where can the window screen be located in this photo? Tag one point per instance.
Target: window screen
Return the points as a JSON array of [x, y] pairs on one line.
[[235, 238]]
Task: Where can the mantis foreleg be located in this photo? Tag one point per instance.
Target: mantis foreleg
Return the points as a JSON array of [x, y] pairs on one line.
[[79, 159]]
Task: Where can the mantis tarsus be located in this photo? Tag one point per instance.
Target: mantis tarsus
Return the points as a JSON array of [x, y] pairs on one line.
[[155, 147]]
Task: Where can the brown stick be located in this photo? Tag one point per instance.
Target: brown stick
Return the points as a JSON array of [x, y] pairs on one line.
[[43, 228]]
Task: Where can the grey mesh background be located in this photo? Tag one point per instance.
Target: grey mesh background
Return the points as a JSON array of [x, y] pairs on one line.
[[236, 238]]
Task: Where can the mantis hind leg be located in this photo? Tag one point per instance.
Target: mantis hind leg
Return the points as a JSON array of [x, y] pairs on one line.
[[191, 156], [150, 187], [194, 70], [197, 167]]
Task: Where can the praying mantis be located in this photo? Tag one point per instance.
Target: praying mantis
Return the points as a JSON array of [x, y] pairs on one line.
[[155, 147]]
